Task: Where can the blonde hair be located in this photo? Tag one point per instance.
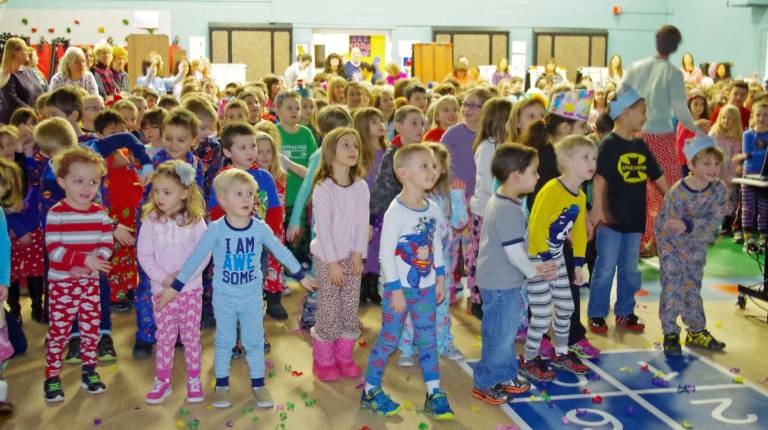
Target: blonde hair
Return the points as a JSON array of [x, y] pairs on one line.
[[224, 181], [12, 46], [119, 52], [9, 130], [64, 160], [70, 55], [362, 122], [566, 146], [328, 155], [443, 158], [54, 134], [193, 207], [201, 107], [404, 154], [125, 105], [435, 109], [10, 178], [275, 166], [762, 104], [103, 47], [735, 132], [336, 81], [517, 109]]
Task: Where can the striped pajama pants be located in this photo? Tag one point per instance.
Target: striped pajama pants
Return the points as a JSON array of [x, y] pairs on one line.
[[754, 209], [541, 295]]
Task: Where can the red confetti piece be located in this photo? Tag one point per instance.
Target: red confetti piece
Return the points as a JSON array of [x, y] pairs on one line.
[[34, 30], [585, 391], [296, 373], [362, 344], [77, 22], [365, 428], [644, 367], [597, 400]]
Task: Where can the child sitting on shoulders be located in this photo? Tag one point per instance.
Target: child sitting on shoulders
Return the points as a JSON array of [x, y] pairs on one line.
[[689, 221]]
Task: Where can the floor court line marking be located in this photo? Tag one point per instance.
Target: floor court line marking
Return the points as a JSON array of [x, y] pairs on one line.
[[619, 393], [725, 371]]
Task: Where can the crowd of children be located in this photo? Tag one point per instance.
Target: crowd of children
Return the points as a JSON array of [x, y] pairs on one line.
[[189, 207]]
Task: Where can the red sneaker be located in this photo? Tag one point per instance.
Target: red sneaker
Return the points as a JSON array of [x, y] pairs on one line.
[[536, 369], [515, 386], [630, 322], [598, 325], [571, 363]]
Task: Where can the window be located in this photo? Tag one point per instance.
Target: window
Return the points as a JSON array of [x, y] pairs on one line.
[[480, 47], [264, 49], [571, 49]]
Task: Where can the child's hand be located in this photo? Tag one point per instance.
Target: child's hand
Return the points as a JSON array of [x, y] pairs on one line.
[[123, 235], [357, 263], [578, 276], [97, 264], [80, 271], [676, 226], [292, 233], [169, 279], [26, 239], [548, 270], [164, 298], [336, 274], [458, 184], [309, 283], [440, 290], [370, 233], [3, 293], [398, 302]]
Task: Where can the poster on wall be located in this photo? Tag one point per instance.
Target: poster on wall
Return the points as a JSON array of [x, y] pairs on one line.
[[361, 42]]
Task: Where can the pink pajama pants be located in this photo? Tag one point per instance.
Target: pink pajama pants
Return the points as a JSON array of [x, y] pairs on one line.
[[180, 317]]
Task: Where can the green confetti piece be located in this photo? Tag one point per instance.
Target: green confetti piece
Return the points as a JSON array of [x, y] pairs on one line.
[[283, 416], [310, 403], [247, 410], [24, 21], [194, 424], [271, 375], [423, 426], [254, 419], [126, 22], [290, 406], [183, 412], [304, 395]]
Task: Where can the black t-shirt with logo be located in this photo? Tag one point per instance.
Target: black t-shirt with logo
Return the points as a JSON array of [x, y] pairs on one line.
[[626, 166]]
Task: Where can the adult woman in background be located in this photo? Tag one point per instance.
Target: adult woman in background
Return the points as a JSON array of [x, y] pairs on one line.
[[119, 60], [73, 71], [17, 87], [691, 73], [102, 71]]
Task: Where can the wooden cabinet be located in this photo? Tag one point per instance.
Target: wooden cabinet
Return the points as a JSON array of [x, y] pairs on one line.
[[139, 46], [432, 61]]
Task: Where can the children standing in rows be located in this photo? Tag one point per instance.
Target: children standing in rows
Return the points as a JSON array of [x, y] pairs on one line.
[[340, 211], [449, 197], [754, 204], [624, 165], [172, 224], [77, 252], [236, 241], [414, 274], [503, 267], [689, 221]]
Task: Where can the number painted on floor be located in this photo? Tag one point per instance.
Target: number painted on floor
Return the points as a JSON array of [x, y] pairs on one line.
[[581, 381], [722, 405], [605, 419]]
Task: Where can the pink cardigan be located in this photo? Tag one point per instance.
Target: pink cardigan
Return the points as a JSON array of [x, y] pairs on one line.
[[163, 247], [341, 220]]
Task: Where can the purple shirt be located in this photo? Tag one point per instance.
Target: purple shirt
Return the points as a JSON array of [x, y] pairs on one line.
[[370, 178], [458, 140]]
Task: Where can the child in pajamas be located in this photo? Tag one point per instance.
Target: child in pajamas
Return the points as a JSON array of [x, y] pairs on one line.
[[236, 241], [689, 221]]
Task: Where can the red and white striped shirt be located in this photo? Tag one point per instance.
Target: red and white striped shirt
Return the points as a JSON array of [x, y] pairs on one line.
[[72, 234]]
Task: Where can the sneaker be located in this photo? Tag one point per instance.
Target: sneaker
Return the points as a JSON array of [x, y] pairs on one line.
[[160, 391], [106, 348], [263, 397], [630, 322], [495, 395], [267, 346], [52, 390], [584, 349], [142, 350], [92, 383], [73, 351], [570, 362], [221, 398], [120, 307], [452, 353], [237, 352], [672, 344], [437, 405], [703, 339], [537, 369], [515, 386], [546, 349], [405, 360], [379, 402], [738, 237], [194, 390], [751, 245], [598, 325]]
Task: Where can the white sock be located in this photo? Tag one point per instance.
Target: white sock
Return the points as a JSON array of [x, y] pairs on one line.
[[561, 350], [368, 388], [432, 385]]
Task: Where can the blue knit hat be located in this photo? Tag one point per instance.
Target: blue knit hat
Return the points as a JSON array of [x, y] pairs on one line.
[[697, 144], [626, 96]]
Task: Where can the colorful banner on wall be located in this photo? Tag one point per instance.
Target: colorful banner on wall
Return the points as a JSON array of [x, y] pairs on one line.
[[361, 42]]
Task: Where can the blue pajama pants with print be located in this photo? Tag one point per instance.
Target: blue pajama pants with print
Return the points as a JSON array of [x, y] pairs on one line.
[[145, 316], [421, 307]]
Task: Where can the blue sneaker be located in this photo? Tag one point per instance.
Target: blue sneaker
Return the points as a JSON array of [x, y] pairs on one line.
[[379, 402], [437, 405]]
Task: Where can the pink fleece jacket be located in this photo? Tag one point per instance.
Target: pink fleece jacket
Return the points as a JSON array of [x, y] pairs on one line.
[[163, 247], [341, 220]]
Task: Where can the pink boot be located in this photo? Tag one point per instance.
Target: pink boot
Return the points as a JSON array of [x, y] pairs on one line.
[[344, 359], [323, 362]]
